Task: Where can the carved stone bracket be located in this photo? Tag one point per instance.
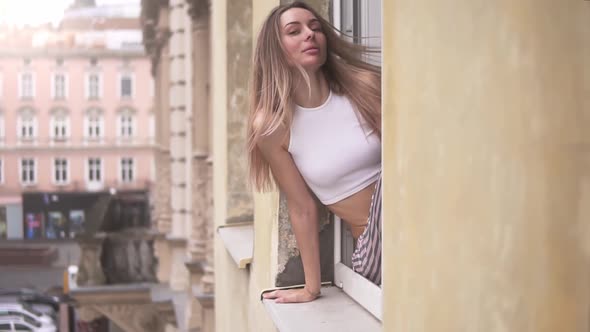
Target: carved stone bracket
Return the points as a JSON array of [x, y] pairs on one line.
[[90, 271]]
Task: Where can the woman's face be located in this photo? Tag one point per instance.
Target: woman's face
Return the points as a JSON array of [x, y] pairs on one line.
[[303, 38]]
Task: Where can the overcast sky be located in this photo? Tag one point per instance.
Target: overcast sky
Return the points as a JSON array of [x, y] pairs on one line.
[[39, 11]]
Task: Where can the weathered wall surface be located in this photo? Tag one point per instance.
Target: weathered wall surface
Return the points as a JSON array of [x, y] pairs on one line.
[[486, 165]]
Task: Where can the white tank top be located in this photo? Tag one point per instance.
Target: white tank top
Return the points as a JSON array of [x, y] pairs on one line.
[[335, 154]]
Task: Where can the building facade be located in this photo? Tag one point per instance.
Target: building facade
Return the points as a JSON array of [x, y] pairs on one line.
[[74, 118], [77, 150]]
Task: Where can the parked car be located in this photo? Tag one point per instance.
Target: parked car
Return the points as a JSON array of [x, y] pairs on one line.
[[25, 311], [23, 323], [32, 297]]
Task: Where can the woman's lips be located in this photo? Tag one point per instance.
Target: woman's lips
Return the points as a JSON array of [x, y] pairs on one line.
[[311, 50]]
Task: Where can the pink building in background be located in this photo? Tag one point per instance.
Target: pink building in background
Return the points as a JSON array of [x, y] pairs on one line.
[[75, 116]]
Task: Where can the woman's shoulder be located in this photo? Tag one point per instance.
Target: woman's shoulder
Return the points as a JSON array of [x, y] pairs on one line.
[[276, 139]]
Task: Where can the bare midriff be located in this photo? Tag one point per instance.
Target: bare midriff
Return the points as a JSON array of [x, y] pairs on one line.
[[354, 210]]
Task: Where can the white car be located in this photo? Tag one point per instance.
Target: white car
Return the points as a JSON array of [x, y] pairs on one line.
[[23, 323], [27, 313]]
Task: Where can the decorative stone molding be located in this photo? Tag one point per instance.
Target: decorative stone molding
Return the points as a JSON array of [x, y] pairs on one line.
[[129, 257], [154, 38]]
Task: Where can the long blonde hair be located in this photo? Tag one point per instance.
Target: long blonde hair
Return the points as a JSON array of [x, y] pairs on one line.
[[273, 78]]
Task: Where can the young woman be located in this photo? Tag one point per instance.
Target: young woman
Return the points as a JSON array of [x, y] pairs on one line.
[[315, 129]]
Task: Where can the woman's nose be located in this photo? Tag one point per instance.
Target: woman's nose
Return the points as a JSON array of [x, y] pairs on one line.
[[310, 34]]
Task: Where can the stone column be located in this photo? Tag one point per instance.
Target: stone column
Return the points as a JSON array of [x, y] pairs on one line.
[[163, 186], [486, 175], [178, 110], [179, 101], [199, 11]]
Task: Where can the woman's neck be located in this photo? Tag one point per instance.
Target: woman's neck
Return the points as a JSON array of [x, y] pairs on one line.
[[318, 87]]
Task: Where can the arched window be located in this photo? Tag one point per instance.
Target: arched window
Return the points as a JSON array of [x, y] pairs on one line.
[[59, 85], [2, 132], [93, 85], [59, 124], [126, 123], [27, 124], [93, 124]]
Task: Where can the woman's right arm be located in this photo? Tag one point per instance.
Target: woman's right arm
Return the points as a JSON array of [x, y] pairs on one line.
[[303, 214]]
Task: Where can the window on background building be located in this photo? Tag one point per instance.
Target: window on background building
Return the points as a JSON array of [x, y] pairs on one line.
[[26, 85], [60, 125], [28, 171], [126, 123], [60, 171], [126, 86], [93, 86], [1, 126], [59, 86], [94, 170], [93, 124], [362, 21], [152, 125], [127, 170], [27, 124]]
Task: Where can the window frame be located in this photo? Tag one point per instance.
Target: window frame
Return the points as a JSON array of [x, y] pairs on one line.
[[152, 126], [100, 169], [34, 170], [99, 86], [59, 117], [126, 113], [131, 77], [21, 90], [61, 182], [131, 168], [2, 129], [54, 94], [363, 291], [91, 114], [23, 120]]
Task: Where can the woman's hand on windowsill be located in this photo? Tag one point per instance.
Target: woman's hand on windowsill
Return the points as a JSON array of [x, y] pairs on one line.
[[298, 295]]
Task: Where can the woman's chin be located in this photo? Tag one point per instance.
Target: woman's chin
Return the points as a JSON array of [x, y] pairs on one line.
[[311, 66]]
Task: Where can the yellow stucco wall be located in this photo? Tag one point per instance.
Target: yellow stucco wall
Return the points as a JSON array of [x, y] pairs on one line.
[[486, 155], [237, 303]]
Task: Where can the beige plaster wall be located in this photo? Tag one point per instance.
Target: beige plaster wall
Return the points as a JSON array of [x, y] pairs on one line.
[[237, 292], [486, 165]]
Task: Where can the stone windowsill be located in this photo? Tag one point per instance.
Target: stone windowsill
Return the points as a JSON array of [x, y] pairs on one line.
[[238, 239], [333, 311]]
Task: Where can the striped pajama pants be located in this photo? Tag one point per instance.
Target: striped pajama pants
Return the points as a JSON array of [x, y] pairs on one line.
[[366, 258]]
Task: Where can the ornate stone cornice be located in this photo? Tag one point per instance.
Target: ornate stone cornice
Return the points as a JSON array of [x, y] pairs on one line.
[[198, 9], [154, 37]]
